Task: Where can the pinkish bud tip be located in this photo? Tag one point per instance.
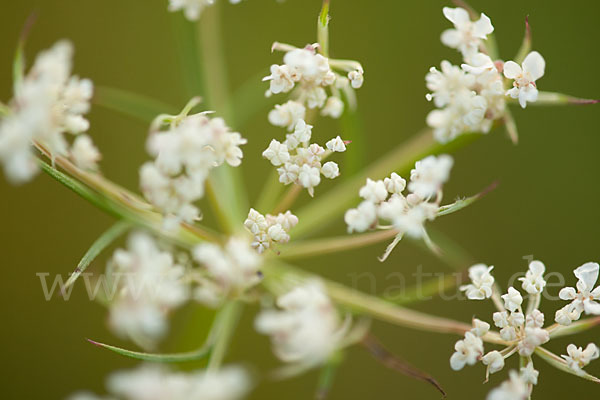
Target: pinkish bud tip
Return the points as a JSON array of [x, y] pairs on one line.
[[347, 141], [93, 342]]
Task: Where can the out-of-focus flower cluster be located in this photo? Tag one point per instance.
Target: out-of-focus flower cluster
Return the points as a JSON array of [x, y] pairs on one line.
[[155, 382], [48, 102], [192, 9], [184, 154]]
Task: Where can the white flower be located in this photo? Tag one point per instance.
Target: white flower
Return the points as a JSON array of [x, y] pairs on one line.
[[448, 82], [192, 9], [356, 78], [412, 220], [148, 285], [494, 360], [515, 388], [479, 63], [429, 175], [395, 184], [336, 144], [533, 282], [184, 155], [513, 299], [578, 358], [482, 282], [234, 266], [466, 113], [256, 222], [310, 65], [288, 173], [334, 107], [277, 153], [584, 298], [315, 97], [282, 79], [529, 374], [373, 191], [467, 351], [480, 328], [287, 220], [467, 35], [287, 114], [330, 170], [309, 177], [48, 102], [155, 382], [307, 329], [361, 218], [525, 77], [535, 319], [84, 153], [302, 132], [533, 338]]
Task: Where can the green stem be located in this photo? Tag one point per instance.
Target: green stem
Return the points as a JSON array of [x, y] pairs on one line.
[[227, 321], [288, 199], [229, 197], [315, 247]]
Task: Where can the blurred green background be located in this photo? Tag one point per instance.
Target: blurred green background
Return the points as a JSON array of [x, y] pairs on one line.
[[546, 204]]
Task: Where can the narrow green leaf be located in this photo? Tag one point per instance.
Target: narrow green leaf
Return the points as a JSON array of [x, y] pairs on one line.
[[323, 29], [561, 364], [575, 327], [557, 99], [462, 203], [97, 247], [88, 194], [19, 60], [131, 104], [166, 358]]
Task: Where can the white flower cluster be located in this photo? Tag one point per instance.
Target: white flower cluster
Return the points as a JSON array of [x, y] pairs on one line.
[[311, 76], [522, 332], [300, 162], [192, 9], [47, 103], [270, 229], [147, 285], [307, 329], [469, 98], [584, 298], [407, 214], [184, 155], [155, 382], [227, 270]]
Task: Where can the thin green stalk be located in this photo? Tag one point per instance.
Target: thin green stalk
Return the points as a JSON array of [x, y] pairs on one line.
[[288, 199], [226, 324], [311, 248], [323, 29], [130, 104], [270, 193], [230, 199], [278, 275]]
